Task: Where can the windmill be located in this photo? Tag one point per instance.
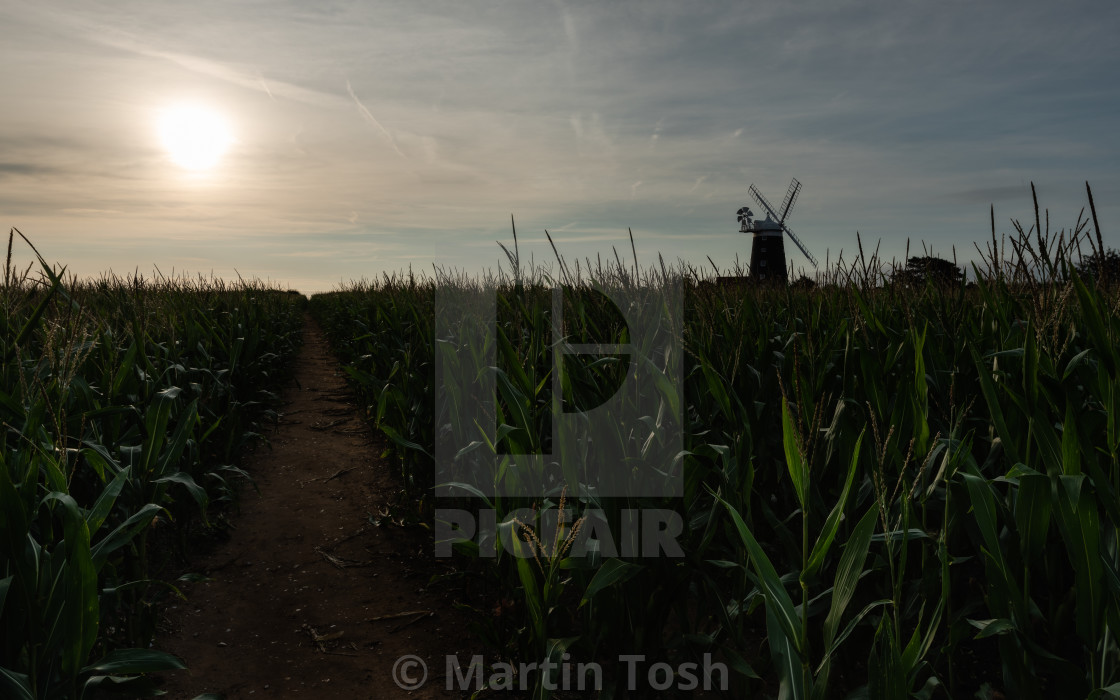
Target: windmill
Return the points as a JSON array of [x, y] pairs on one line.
[[768, 253]]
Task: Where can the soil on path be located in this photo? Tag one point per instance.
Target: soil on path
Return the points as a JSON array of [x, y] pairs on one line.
[[319, 590]]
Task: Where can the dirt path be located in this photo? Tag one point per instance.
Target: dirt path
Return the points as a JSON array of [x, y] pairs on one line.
[[307, 598]]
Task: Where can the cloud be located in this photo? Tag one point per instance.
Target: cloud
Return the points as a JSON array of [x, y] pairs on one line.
[[265, 86], [227, 73], [591, 136], [127, 39], [899, 120], [26, 169], [368, 116], [92, 211], [985, 195]]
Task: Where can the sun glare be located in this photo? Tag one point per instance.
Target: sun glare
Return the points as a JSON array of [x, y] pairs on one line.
[[195, 137]]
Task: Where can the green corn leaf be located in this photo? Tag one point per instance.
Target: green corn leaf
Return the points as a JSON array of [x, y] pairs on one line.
[[532, 594], [1098, 331], [993, 627], [5, 584], [777, 598], [611, 572], [197, 492], [469, 488], [1079, 523], [170, 457], [885, 673], [984, 510], [99, 686], [1071, 448], [79, 588], [832, 523], [99, 458], [1032, 515], [665, 387], [1047, 438], [107, 498], [1112, 691], [469, 448], [16, 686], [795, 460], [786, 658], [519, 407], [919, 645], [1075, 362], [738, 663], [155, 423], [124, 661], [554, 652], [848, 574], [514, 363], [125, 370], [396, 437], [1030, 367], [822, 669], [988, 389], [716, 389], [33, 320], [123, 534]]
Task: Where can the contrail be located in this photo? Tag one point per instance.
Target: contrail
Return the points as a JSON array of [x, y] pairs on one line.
[[372, 120], [265, 86]]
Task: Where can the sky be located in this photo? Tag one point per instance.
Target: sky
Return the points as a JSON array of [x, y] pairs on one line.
[[371, 137]]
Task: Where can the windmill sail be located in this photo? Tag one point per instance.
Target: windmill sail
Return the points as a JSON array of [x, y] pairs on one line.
[[763, 203], [791, 197], [800, 245], [779, 219]]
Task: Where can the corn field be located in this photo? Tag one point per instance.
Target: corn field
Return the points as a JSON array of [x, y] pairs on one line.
[[124, 404], [890, 489]]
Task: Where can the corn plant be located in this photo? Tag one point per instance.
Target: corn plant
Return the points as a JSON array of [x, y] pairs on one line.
[[893, 487], [123, 403]]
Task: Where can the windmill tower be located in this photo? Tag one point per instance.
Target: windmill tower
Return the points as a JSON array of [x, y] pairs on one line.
[[768, 252]]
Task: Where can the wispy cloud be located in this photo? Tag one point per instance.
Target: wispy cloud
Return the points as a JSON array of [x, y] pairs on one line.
[[986, 195], [901, 120], [26, 169], [91, 211], [368, 116], [265, 86]]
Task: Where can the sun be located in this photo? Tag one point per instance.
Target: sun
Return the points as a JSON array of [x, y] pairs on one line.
[[195, 137]]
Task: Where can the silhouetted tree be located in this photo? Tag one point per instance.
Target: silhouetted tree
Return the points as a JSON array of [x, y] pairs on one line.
[[918, 270], [1102, 266]]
